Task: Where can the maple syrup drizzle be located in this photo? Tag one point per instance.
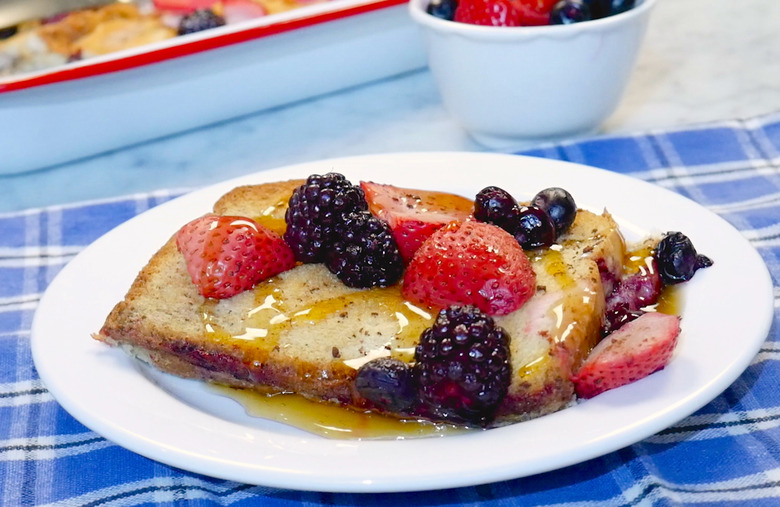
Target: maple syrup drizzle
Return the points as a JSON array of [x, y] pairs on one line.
[[271, 315], [272, 217], [333, 421], [640, 260]]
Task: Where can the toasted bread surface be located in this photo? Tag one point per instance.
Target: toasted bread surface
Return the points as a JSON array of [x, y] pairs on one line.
[[304, 331]]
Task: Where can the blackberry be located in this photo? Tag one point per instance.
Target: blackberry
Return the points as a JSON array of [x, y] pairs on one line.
[[388, 383], [462, 367], [314, 210], [199, 20], [364, 253]]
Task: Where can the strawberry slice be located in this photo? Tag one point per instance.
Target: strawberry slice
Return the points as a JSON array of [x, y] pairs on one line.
[[226, 255], [534, 12], [183, 6], [236, 11], [488, 12], [470, 263], [639, 348], [504, 12], [413, 215]]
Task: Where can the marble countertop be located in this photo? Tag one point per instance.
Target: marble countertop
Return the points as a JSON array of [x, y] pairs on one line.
[[702, 61]]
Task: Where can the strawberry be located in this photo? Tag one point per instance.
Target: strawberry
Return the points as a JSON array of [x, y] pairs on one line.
[[413, 215], [226, 255], [488, 12], [470, 263], [236, 11], [183, 5], [639, 348], [534, 12]]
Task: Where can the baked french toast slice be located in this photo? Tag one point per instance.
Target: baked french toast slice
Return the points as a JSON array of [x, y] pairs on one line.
[[304, 331]]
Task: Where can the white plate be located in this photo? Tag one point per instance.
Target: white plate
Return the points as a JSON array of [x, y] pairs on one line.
[[183, 424]]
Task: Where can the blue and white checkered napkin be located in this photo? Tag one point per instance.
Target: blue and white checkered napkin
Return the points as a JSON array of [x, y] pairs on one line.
[[727, 452]]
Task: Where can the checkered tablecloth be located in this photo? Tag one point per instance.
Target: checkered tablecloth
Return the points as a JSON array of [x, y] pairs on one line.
[[727, 452]]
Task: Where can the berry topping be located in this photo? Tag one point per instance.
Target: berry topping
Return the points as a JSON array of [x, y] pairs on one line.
[[677, 258], [413, 215], [236, 11], [496, 206], [567, 12], [630, 295], [226, 255], [604, 8], [559, 204], [526, 12], [534, 12], [488, 12], [8, 32], [201, 19], [364, 253], [470, 263], [462, 367], [535, 228], [618, 314], [634, 351], [444, 9], [182, 6], [314, 210], [387, 383]]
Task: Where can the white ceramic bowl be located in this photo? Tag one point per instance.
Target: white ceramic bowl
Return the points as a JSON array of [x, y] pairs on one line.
[[509, 85]]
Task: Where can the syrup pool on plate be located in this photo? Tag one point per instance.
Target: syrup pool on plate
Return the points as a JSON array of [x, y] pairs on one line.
[[332, 421]]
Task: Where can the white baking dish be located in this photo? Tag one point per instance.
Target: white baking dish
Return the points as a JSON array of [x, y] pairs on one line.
[[103, 103]]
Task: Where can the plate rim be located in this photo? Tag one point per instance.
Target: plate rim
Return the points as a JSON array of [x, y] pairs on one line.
[[290, 479]]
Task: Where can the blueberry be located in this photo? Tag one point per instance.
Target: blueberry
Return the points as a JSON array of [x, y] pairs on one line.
[[388, 383], [535, 228], [444, 9], [603, 8], [677, 258], [567, 12], [559, 204], [496, 206]]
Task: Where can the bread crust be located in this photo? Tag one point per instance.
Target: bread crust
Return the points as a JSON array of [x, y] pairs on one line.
[[304, 332]]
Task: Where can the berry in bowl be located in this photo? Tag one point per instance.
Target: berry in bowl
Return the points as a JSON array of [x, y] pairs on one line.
[[514, 71]]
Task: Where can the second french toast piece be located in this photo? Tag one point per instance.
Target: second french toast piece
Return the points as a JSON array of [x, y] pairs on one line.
[[304, 331]]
